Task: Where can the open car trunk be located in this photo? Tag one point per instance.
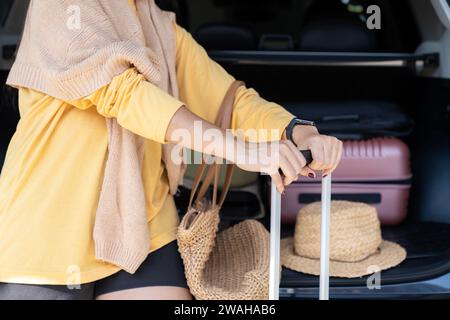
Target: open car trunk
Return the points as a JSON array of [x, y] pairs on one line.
[[426, 243], [390, 70]]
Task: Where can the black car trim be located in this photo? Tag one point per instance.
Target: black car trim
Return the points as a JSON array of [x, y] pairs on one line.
[[346, 59]]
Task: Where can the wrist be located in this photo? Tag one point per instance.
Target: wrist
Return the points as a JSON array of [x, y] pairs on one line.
[[293, 125], [302, 133]]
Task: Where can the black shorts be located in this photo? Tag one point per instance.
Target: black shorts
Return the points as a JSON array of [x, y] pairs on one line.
[[163, 267]]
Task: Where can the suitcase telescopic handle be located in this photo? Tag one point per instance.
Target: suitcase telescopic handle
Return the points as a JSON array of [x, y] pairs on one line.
[[275, 232]]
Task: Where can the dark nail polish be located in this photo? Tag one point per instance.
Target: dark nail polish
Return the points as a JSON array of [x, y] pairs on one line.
[[325, 175], [311, 176]]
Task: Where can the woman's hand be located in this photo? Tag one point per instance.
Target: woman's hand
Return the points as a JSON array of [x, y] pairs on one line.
[[326, 150], [270, 157]]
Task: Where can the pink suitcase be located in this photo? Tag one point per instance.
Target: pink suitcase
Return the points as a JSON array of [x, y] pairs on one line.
[[375, 171]]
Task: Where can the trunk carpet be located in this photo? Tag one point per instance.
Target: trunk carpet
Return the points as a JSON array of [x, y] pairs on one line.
[[428, 257]]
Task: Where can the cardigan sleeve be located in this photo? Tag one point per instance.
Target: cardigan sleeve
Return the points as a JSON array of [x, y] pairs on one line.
[[203, 84], [139, 106]]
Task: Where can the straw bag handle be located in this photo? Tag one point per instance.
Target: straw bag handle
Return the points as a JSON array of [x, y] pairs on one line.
[[223, 121]]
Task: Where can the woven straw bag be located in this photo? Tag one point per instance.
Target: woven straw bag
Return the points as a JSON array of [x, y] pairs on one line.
[[232, 264]]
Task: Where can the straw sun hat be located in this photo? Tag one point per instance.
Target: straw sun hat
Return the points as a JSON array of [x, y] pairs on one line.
[[356, 245]]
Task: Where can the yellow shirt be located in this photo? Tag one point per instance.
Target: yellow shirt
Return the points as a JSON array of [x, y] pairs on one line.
[[51, 179]]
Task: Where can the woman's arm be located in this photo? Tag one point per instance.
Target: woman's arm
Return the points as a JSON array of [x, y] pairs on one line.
[[203, 84], [190, 131], [146, 110], [138, 105]]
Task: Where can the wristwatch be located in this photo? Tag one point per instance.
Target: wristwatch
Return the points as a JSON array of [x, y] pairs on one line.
[[297, 122]]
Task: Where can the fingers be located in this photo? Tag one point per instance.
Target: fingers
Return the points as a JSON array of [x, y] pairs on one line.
[[288, 170], [336, 157], [308, 172], [326, 152], [328, 171], [295, 159], [278, 181], [332, 150], [298, 155], [339, 155], [318, 154]]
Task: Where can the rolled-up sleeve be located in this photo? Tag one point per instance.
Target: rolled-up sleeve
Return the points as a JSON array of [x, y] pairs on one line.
[[138, 105]]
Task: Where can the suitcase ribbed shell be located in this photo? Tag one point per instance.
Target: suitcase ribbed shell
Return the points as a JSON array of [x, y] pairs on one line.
[[375, 171]]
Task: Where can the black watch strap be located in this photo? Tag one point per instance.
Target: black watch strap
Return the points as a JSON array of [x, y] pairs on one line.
[[295, 122]]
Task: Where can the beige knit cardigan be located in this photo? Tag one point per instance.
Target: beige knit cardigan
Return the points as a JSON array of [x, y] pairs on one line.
[[70, 49]]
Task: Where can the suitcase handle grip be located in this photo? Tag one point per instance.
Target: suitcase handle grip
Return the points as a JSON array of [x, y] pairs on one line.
[[307, 155]]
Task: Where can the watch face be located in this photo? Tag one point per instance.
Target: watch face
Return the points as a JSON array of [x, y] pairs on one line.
[[305, 122]]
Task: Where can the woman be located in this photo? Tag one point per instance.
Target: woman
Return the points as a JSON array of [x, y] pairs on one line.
[[67, 173]]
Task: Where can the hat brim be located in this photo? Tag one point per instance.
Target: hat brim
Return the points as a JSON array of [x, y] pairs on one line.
[[389, 255]]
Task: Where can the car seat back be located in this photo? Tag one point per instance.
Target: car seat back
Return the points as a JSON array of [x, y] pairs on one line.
[[337, 34], [222, 36]]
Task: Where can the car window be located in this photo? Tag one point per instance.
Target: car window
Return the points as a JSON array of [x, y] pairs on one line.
[[5, 7], [289, 19]]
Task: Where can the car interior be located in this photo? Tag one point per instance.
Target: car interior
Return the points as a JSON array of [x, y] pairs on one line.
[[311, 57]]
